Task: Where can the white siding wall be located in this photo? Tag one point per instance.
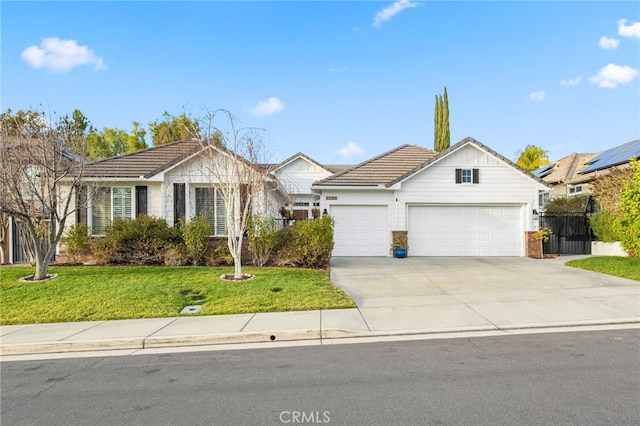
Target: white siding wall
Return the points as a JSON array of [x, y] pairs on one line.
[[499, 184], [299, 175]]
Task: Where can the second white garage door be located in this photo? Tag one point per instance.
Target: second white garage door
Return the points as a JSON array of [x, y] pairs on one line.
[[360, 230], [465, 231]]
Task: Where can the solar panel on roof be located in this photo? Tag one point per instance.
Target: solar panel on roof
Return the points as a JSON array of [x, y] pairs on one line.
[[543, 171], [613, 157]]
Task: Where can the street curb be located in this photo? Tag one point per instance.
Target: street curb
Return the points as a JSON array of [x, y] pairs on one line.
[[273, 336]]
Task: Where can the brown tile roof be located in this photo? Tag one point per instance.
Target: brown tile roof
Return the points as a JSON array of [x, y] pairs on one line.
[[337, 168], [566, 169], [381, 169], [145, 163]]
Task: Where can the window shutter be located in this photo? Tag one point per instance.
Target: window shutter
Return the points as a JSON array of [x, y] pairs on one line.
[[141, 200], [476, 176], [458, 175], [81, 205], [179, 206]]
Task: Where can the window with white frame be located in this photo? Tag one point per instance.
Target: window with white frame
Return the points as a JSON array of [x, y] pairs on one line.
[[543, 200], [575, 190], [108, 205], [210, 202], [467, 176]]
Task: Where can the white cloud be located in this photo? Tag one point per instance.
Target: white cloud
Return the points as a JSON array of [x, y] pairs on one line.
[[391, 11], [608, 43], [56, 54], [632, 30], [537, 96], [269, 107], [350, 150], [571, 81], [611, 75]]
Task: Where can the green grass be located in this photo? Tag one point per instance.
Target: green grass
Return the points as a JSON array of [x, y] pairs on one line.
[[624, 267], [91, 293]]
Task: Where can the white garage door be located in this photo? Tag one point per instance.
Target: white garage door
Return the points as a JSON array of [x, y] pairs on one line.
[[465, 231], [360, 230]]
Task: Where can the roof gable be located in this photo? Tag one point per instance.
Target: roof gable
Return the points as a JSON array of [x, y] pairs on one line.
[[382, 169], [301, 156], [447, 152]]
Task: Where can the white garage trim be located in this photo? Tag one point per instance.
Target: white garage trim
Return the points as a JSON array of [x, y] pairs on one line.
[[360, 230], [466, 230]]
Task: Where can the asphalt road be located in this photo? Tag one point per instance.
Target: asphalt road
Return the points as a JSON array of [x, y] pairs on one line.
[[561, 378]]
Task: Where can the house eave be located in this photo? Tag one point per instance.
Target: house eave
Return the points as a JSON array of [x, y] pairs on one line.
[[349, 187]]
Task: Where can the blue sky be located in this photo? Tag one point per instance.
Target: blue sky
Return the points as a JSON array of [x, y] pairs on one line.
[[341, 81]]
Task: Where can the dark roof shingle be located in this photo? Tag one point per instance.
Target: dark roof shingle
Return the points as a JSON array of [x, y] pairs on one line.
[[145, 163], [381, 169]]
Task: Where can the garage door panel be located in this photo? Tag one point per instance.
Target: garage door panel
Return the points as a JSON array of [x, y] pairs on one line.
[[360, 230], [465, 231]]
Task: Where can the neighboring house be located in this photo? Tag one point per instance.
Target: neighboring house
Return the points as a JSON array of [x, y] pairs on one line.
[[573, 174], [168, 181], [296, 174], [465, 201], [563, 176]]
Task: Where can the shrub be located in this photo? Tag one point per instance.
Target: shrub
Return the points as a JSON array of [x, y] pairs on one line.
[[314, 241], [196, 238], [141, 241], [78, 241], [176, 256], [604, 226], [543, 234], [567, 205], [629, 221], [219, 255], [286, 252], [263, 238]]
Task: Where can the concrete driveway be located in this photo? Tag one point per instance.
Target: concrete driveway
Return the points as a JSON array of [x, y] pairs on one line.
[[447, 294]]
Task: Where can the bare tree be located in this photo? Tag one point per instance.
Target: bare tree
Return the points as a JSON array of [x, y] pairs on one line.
[[4, 237], [232, 162], [40, 174]]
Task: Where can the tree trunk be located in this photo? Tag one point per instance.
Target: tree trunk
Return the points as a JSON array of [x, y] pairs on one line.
[[42, 266]]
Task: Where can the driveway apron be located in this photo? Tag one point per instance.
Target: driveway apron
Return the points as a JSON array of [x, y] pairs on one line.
[[427, 294]]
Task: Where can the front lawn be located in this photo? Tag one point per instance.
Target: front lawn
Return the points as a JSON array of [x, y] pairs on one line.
[[624, 267], [91, 293]]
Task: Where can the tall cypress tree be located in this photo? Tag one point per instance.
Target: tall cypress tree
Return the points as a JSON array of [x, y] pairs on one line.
[[446, 136], [441, 134], [436, 124]]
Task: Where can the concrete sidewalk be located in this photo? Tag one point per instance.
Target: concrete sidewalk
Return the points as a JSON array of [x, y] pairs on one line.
[[414, 296]]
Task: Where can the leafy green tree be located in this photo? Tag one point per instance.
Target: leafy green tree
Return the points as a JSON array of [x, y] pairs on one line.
[[173, 129], [111, 142], [532, 157], [629, 222], [607, 189], [23, 123], [135, 141], [441, 132]]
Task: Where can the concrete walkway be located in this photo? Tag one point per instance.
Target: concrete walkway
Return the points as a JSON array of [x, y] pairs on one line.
[[394, 297]]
